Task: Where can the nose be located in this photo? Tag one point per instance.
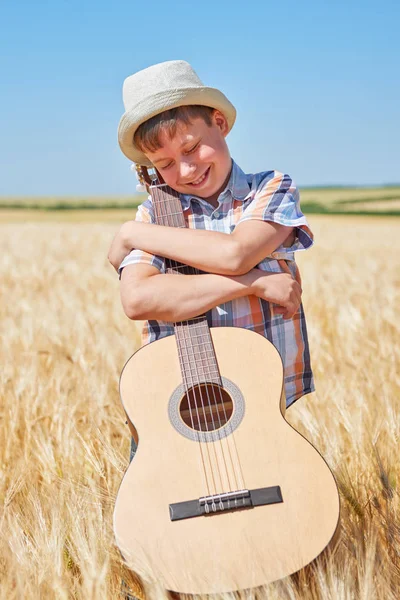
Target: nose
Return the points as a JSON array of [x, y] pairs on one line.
[[186, 171]]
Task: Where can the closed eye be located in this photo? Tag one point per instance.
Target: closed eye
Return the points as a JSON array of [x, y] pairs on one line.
[[166, 166], [189, 151], [193, 148]]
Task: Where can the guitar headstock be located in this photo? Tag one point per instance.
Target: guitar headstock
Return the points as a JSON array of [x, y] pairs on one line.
[[147, 176]]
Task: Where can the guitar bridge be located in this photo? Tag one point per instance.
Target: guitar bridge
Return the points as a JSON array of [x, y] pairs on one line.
[[227, 501]]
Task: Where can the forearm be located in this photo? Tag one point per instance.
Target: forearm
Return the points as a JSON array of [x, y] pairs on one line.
[[210, 251], [172, 298]]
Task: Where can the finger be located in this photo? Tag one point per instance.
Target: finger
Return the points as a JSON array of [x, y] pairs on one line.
[[292, 309], [289, 314]]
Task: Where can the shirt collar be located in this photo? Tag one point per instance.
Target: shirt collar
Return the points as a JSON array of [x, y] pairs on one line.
[[238, 187]]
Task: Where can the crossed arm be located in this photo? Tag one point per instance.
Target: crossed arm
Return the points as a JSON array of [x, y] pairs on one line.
[[228, 259], [210, 251]]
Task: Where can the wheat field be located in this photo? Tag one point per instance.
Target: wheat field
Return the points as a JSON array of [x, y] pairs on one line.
[[64, 443]]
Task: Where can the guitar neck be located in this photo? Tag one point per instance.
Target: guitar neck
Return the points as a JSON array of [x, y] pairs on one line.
[[193, 335], [168, 211]]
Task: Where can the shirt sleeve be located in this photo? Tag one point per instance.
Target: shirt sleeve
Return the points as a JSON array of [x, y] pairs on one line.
[[277, 199], [144, 214]]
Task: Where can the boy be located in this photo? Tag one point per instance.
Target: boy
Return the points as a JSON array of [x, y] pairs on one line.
[[241, 229]]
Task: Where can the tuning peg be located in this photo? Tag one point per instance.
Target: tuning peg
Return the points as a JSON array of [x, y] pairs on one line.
[[140, 186]]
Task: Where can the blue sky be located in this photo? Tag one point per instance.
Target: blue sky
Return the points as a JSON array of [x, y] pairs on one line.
[[316, 86]]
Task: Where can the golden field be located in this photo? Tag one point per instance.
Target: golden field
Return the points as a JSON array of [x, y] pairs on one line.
[[64, 444]]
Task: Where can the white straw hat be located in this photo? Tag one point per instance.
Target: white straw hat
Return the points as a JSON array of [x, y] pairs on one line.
[[158, 88]]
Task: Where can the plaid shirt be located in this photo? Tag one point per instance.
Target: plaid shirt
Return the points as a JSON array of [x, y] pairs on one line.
[[267, 196]]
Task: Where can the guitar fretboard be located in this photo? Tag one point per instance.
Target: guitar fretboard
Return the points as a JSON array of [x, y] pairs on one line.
[[195, 348]]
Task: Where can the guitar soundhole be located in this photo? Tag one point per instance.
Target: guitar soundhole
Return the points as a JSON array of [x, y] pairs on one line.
[[206, 407]]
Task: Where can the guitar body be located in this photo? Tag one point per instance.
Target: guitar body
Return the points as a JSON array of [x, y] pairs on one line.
[[229, 549]]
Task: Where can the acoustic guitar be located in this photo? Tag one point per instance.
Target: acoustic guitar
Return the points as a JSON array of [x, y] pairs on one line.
[[222, 494]]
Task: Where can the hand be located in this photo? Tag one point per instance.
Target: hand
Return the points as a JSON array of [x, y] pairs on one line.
[[279, 288], [121, 245]]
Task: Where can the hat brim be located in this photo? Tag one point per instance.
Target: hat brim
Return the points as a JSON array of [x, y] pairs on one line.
[[153, 105]]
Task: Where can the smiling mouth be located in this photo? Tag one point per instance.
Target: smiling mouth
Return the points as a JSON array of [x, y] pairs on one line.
[[201, 179]]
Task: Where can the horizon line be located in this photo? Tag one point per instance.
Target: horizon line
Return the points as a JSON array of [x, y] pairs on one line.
[[134, 193]]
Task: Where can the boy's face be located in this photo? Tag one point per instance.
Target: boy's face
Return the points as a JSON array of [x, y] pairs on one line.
[[197, 160]]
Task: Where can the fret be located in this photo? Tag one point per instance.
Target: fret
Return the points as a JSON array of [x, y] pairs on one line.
[[194, 351], [184, 329], [201, 317], [187, 353], [170, 206], [199, 377], [203, 343], [197, 356], [191, 319], [183, 333], [170, 200], [171, 214], [196, 367], [211, 372], [166, 223], [201, 321], [173, 195], [201, 335], [196, 373], [205, 348], [158, 185], [188, 327], [194, 341]]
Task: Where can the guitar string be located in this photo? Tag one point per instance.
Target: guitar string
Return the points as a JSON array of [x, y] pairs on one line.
[[204, 412], [163, 216], [224, 410], [188, 328], [225, 417], [183, 329], [229, 423]]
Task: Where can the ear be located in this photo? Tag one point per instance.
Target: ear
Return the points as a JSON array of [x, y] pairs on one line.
[[221, 122]]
